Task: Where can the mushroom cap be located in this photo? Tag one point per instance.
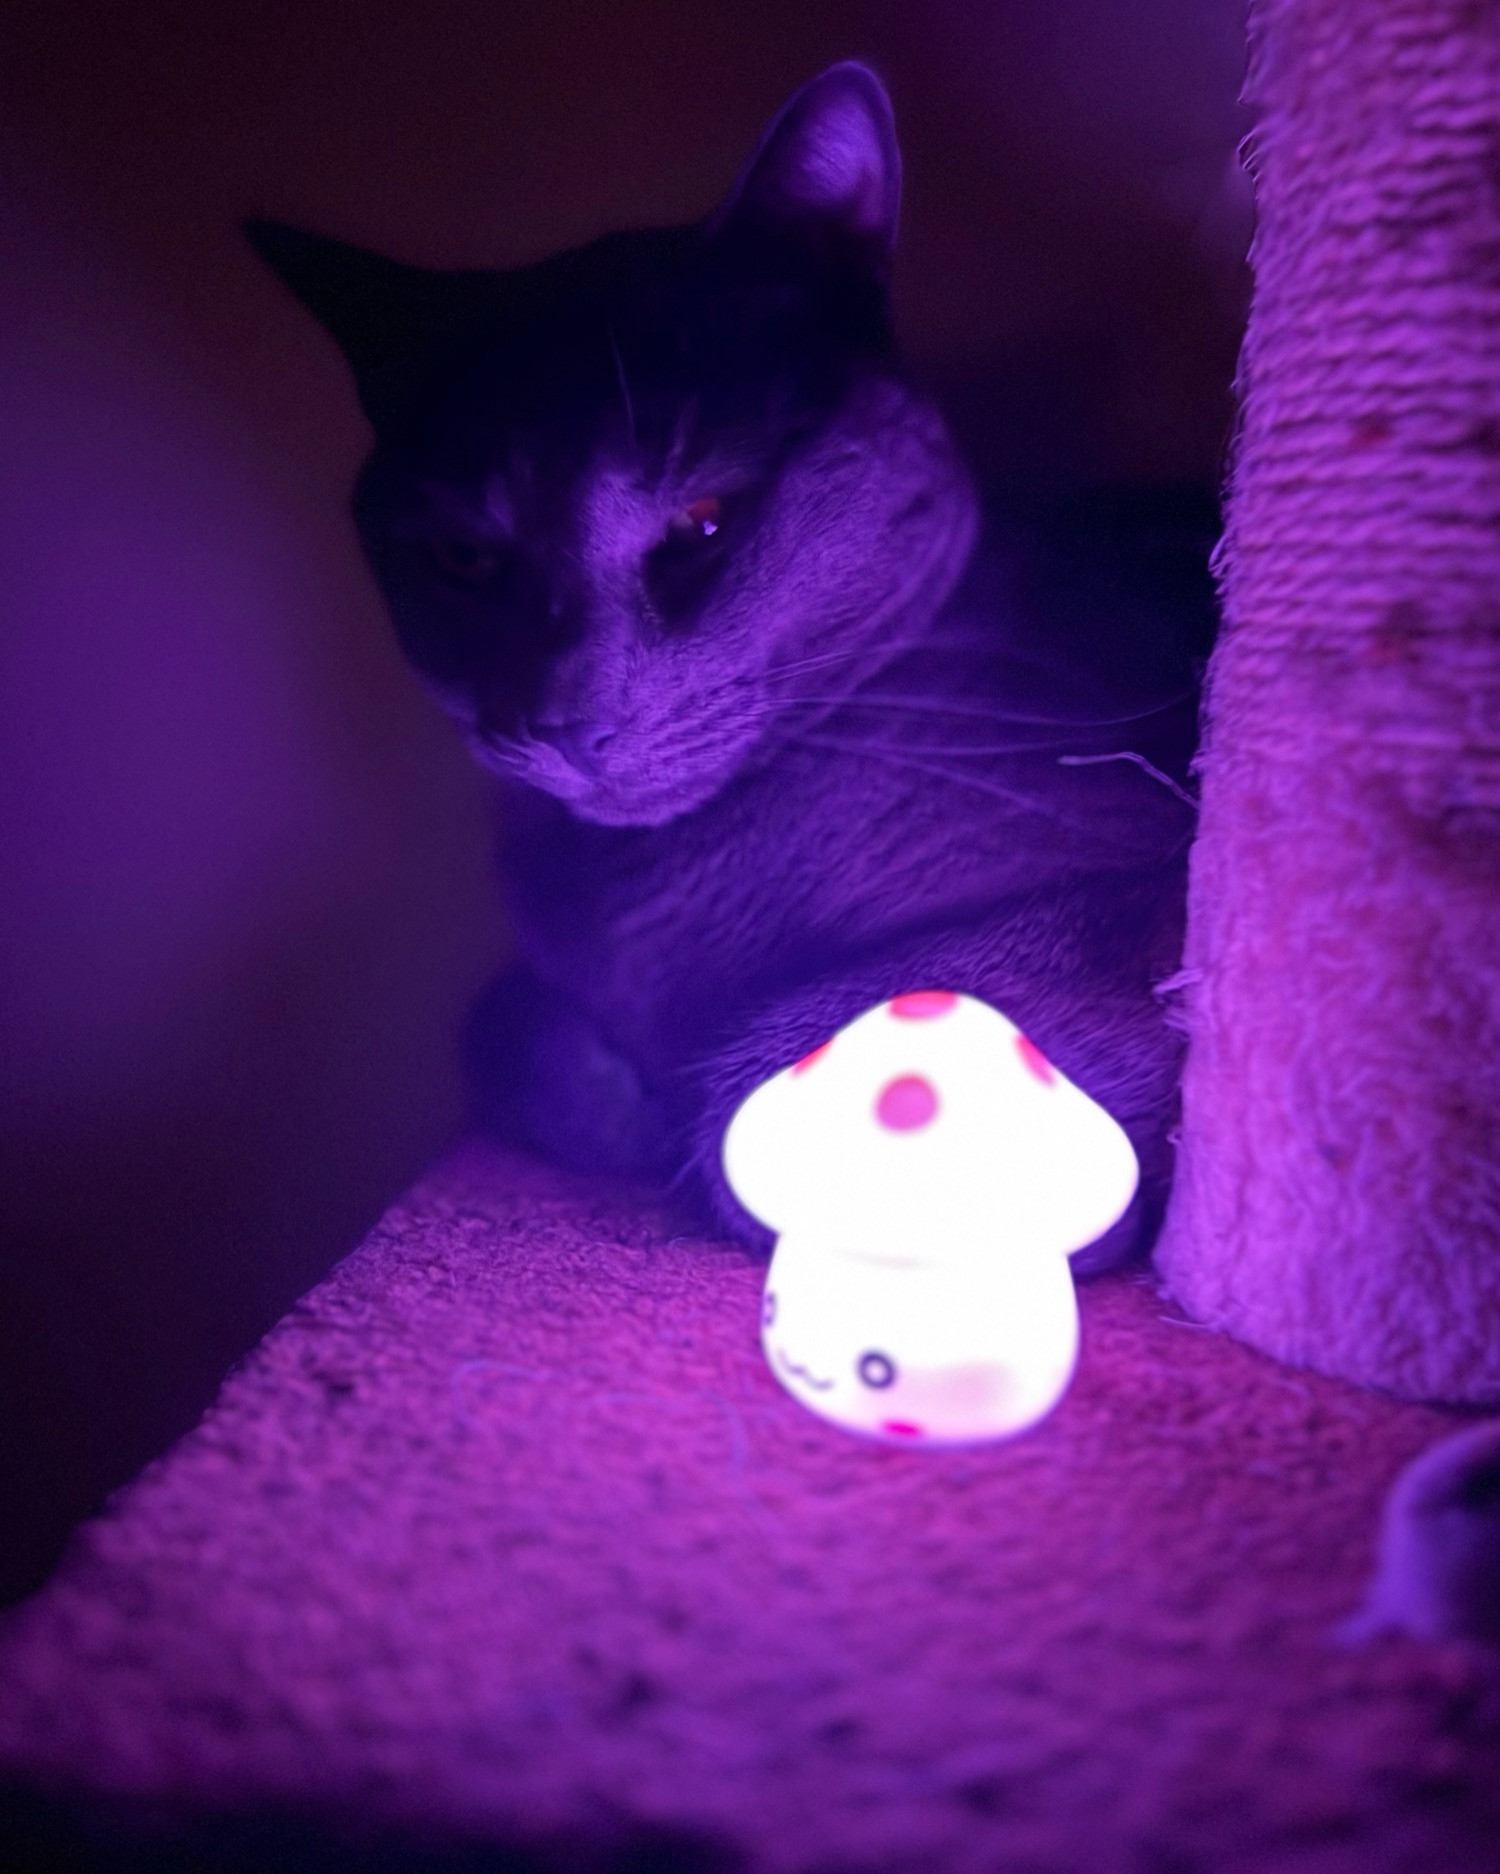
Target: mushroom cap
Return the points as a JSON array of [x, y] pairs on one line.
[[930, 1128]]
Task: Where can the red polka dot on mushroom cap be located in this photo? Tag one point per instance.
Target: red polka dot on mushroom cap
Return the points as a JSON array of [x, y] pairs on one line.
[[801, 1067], [905, 1104], [923, 1004], [1034, 1061]]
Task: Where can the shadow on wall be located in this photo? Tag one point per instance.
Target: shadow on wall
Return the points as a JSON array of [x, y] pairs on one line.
[[244, 888], [46, 1833], [242, 901]]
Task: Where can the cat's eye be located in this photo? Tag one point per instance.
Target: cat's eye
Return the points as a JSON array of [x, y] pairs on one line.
[[465, 561], [699, 520], [683, 566], [876, 1369]]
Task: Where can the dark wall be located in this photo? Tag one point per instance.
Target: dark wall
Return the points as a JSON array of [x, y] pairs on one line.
[[244, 884]]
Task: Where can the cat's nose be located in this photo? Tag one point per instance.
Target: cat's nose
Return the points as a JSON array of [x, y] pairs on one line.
[[581, 743]]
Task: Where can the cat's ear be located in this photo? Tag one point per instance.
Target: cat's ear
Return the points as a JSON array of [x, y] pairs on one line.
[[826, 174], [386, 317]]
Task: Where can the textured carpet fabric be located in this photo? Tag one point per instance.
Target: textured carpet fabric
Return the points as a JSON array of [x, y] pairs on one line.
[[505, 1536]]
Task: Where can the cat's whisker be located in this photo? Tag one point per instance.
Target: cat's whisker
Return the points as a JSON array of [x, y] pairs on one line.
[[825, 660], [624, 384], [946, 707], [1137, 760], [682, 432], [978, 784], [856, 744], [931, 706], [860, 653]]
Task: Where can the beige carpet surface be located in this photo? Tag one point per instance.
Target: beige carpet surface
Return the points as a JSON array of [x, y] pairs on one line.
[[505, 1542]]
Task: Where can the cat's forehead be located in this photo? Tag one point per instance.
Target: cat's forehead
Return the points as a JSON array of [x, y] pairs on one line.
[[585, 407], [615, 494], [645, 339]]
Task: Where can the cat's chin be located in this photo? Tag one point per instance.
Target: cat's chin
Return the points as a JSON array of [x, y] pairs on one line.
[[613, 802], [604, 800], [614, 807]]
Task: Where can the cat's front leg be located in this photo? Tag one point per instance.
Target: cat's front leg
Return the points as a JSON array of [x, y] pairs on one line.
[[543, 1075]]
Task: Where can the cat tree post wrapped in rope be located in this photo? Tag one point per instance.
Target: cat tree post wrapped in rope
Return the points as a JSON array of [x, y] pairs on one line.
[[1338, 1194]]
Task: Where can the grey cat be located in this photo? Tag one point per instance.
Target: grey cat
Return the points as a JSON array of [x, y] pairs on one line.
[[780, 723]]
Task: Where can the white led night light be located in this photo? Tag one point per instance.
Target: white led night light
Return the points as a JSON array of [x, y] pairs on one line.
[[927, 1173]]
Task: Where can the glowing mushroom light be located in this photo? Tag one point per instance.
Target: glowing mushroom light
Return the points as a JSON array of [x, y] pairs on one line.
[[927, 1173]]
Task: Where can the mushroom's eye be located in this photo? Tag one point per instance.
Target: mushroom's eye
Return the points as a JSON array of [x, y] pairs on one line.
[[767, 1308], [876, 1369]]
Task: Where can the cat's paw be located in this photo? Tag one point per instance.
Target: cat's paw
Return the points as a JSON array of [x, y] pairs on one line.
[[543, 1076]]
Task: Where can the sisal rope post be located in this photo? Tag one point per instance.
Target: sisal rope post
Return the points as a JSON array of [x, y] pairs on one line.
[[1338, 1189]]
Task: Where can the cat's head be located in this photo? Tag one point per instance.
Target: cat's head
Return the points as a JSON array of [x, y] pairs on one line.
[[630, 505]]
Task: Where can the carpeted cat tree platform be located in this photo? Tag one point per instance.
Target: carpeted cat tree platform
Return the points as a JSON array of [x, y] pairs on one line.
[[505, 1551]]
